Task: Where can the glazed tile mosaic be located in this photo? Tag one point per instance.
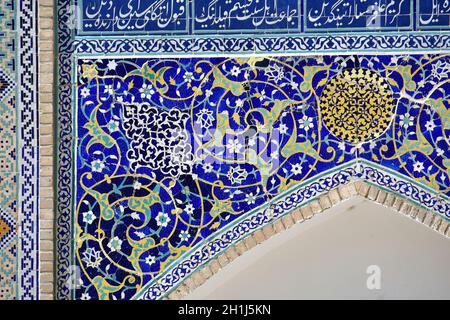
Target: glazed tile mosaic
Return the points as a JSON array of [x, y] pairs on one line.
[[173, 149], [170, 151], [18, 151]]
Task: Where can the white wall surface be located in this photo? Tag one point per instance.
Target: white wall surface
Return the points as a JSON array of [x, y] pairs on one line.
[[328, 256]]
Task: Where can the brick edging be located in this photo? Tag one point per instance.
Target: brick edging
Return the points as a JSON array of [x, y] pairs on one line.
[[46, 85]]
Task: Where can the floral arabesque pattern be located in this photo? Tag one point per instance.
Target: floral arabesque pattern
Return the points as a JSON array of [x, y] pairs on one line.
[[170, 151]]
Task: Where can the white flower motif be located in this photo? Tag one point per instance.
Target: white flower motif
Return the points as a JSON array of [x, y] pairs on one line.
[[112, 64], [429, 125], [394, 60], [439, 152], [234, 146], [135, 215], [283, 128], [85, 296], [85, 92], [137, 185], [406, 120], [319, 59], [418, 166], [372, 144], [97, 165], [262, 95], [421, 83], [150, 260], [92, 258], [184, 235], [113, 126], [88, 217], [205, 118], [296, 169], [250, 198], [274, 73], [188, 77], [294, 85], [208, 93], [239, 103], [306, 123], [237, 174], [115, 244], [208, 167], [440, 69], [162, 219], [146, 91], [341, 145], [189, 209], [235, 71]]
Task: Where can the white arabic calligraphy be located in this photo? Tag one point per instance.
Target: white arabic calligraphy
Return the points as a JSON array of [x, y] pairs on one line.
[[133, 14], [257, 11], [438, 9], [347, 12]]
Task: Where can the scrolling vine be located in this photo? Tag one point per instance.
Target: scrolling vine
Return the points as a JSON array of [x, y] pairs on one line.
[[169, 151]]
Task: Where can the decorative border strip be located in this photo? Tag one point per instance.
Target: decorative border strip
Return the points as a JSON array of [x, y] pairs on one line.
[[63, 153], [283, 205], [439, 204], [28, 276], [333, 43]]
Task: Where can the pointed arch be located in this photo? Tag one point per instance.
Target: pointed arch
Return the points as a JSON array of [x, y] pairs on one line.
[[322, 204]]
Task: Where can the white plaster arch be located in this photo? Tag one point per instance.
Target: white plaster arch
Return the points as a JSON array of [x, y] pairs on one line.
[[329, 257]]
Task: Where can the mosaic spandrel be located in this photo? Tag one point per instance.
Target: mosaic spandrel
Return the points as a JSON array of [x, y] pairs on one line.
[[171, 152]]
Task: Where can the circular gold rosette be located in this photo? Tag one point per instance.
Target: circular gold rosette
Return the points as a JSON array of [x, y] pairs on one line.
[[357, 105]]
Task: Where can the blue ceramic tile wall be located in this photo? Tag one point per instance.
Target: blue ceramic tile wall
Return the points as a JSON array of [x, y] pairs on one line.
[[173, 147]]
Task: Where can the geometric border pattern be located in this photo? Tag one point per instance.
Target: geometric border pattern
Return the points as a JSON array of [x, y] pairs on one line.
[[11, 223], [320, 44], [20, 248], [9, 109], [63, 133], [28, 152], [6, 80]]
